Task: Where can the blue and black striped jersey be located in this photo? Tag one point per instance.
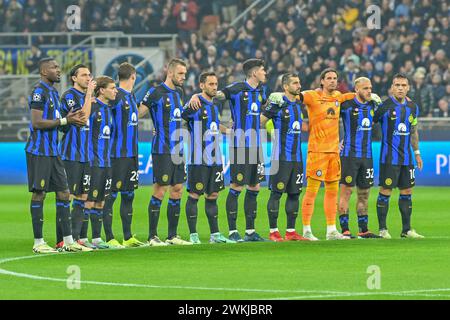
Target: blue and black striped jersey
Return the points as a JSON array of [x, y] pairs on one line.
[[203, 125], [245, 105], [125, 125], [165, 107], [396, 120], [44, 142], [100, 123], [74, 143], [287, 121], [357, 118]]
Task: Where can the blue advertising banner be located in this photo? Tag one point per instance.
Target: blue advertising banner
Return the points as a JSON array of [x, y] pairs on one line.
[[436, 157]]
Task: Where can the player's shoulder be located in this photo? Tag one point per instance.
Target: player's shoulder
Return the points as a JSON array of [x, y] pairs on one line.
[[236, 87], [348, 104]]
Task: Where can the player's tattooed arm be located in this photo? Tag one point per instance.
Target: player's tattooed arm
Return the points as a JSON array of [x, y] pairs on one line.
[[415, 146], [142, 110]]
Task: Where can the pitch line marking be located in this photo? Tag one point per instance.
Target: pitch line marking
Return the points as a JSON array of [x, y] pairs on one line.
[[319, 294]]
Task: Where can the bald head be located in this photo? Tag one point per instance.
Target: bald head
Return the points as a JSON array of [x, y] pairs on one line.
[[363, 89]]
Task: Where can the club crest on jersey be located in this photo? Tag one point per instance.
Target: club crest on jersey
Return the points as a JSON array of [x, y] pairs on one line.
[[393, 115], [254, 110], [336, 103], [319, 173]]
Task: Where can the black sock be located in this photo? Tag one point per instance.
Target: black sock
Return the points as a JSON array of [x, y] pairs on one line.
[[108, 216], [292, 206], [63, 216], [250, 207], [405, 206], [343, 220], [37, 218], [96, 216], [126, 212], [173, 215], [273, 207], [154, 207], [59, 232], [77, 218], [382, 210], [232, 208], [363, 221], [85, 225], [212, 212], [191, 214]]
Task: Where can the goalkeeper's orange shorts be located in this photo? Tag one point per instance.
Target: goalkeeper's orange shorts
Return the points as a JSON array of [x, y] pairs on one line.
[[323, 166]]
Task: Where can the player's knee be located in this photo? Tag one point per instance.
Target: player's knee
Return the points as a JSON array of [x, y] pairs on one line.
[[346, 192], [193, 195], [406, 191], [212, 196], [176, 191], [236, 187], [313, 186], [363, 195], [255, 187], [332, 187], [38, 196], [63, 195], [99, 205], [159, 191]]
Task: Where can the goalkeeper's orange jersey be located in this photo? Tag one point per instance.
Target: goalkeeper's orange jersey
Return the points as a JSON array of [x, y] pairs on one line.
[[323, 114]]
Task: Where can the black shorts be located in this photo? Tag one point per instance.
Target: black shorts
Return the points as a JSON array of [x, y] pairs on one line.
[[205, 179], [392, 176], [46, 174], [100, 186], [286, 176], [125, 174], [165, 172], [78, 177], [357, 171], [246, 167]]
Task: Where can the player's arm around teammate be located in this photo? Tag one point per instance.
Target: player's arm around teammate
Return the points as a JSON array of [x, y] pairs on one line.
[[286, 174], [356, 157]]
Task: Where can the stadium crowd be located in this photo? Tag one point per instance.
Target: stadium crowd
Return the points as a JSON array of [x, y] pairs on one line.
[[298, 36]]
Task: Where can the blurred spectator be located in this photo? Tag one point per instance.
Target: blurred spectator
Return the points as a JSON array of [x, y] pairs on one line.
[[185, 11], [422, 94], [33, 60]]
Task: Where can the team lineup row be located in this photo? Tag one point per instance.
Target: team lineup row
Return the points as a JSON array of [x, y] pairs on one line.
[[97, 156]]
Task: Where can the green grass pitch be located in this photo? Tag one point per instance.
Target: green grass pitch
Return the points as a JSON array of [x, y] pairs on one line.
[[408, 269]]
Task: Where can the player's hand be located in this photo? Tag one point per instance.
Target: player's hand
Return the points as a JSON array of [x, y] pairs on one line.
[[276, 98], [195, 102], [76, 117], [375, 98], [91, 87], [419, 162]]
